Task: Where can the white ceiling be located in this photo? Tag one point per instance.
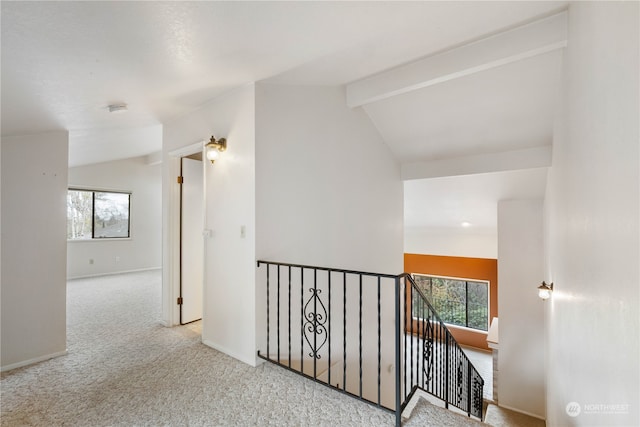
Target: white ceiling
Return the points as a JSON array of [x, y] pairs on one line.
[[63, 63], [502, 109], [447, 202]]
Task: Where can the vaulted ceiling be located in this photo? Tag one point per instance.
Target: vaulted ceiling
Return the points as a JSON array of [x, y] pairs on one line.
[[63, 63]]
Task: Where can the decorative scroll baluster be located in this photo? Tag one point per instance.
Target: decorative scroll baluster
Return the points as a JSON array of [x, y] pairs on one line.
[[478, 385], [315, 333], [427, 350]]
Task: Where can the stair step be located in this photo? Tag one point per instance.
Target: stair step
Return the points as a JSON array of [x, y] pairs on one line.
[[426, 411], [497, 416]]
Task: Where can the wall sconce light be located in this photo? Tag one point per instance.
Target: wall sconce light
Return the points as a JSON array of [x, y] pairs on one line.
[[214, 148], [544, 290]]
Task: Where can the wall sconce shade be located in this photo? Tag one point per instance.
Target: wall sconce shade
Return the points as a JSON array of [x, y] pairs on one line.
[[544, 290], [214, 148]]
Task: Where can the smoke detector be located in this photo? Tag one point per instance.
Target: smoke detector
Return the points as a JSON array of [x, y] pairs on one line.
[[118, 108]]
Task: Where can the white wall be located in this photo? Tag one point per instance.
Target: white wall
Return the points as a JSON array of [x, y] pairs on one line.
[[34, 188], [143, 250], [229, 284], [328, 190], [460, 242], [592, 223], [328, 193], [521, 363]]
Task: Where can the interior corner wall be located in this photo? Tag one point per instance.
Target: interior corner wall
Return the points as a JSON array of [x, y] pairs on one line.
[[522, 344], [464, 268], [34, 217], [592, 223], [229, 255], [144, 249]]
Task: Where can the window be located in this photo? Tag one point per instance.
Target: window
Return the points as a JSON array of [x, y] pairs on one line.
[[457, 301], [97, 214]]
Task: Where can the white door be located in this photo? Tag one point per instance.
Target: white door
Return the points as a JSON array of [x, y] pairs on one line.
[[191, 241]]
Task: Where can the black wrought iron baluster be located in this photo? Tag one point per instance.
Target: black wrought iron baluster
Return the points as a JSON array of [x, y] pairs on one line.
[[329, 326], [438, 375], [268, 331], [404, 333], [423, 328], [420, 334], [440, 361], [315, 322], [379, 334], [411, 336], [418, 337], [301, 319], [344, 331], [469, 393], [443, 345], [478, 385], [437, 369], [446, 377], [459, 375], [360, 333], [278, 315], [436, 360], [289, 335], [399, 329]]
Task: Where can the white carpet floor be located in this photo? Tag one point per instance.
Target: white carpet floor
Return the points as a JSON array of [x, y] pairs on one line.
[[125, 369]]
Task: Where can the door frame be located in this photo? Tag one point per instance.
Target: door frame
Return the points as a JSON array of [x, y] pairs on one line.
[[173, 232]]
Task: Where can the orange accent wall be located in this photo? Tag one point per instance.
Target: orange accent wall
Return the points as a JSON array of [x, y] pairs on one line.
[[466, 268]]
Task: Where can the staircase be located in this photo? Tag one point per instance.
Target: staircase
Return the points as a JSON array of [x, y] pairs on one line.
[[374, 337]]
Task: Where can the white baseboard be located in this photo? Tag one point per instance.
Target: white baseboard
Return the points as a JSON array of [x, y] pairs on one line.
[[229, 353], [520, 411], [112, 273], [32, 361]]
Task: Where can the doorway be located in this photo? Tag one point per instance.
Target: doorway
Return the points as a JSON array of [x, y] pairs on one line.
[[191, 238]]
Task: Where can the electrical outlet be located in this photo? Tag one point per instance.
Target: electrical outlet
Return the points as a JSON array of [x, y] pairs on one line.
[[117, 259], [90, 260]]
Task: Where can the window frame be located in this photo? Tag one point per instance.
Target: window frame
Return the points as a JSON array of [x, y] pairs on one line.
[[93, 192], [466, 305]]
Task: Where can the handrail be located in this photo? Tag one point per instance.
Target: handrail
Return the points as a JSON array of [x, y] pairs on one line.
[[463, 383], [318, 336], [335, 270]]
